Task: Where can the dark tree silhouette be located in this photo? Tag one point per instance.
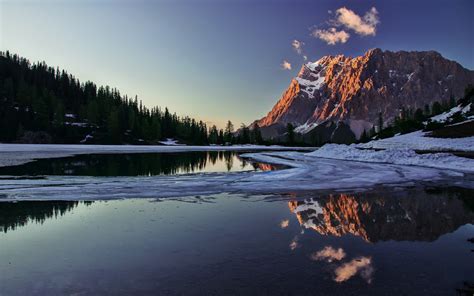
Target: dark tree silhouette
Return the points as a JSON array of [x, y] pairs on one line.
[[41, 103]]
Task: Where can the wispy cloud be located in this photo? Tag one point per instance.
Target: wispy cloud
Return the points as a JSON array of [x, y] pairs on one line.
[[286, 65], [331, 36], [365, 26], [297, 46], [329, 254]]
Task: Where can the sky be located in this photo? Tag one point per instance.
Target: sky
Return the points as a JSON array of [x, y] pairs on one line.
[[218, 60]]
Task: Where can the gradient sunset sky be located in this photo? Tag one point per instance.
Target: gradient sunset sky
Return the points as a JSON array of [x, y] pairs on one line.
[[219, 60]]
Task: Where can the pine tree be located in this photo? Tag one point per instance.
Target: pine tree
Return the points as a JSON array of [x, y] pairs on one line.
[[257, 135], [113, 127], [92, 112], [221, 138], [213, 135], [427, 110], [381, 119], [436, 109], [229, 130], [290, 134], [452, 102], [419, 115]]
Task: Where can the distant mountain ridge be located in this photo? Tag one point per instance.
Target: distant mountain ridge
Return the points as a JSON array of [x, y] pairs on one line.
[[339, 92]]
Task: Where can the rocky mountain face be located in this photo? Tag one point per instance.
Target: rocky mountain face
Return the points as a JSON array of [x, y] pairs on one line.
[[345, 95]]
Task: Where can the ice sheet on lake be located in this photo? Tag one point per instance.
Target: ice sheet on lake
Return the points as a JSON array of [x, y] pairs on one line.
[[306, 172]]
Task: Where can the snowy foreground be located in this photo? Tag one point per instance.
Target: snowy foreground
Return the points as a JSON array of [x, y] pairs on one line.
[[333, 167]]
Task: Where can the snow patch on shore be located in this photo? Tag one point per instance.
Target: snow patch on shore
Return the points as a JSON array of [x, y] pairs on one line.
[[402, 156], [446, 115], [171, 142], [419, 141]]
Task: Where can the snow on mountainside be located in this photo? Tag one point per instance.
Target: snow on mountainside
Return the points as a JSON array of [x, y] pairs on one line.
[[420, 141], [355, 91], [446, 115]]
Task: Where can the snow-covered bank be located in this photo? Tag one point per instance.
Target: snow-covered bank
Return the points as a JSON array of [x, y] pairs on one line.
[[402, 156], [16, 154], [419, 141], [443, 117]]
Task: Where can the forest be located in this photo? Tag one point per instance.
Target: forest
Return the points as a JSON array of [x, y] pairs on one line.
[[43, 104]]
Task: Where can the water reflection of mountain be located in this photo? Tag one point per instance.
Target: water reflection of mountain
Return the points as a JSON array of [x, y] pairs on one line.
[[13, 215], [412, 215], [140, 164]]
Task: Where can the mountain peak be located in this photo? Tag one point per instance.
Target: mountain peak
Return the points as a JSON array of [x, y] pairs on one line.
[[354, 91], [373, 51]]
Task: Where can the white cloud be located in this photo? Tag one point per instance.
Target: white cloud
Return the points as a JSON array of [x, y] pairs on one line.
[[331, 36], [365, 26], [345, 19], [286, 65], [329, 254], [297, 46], [361, 265]]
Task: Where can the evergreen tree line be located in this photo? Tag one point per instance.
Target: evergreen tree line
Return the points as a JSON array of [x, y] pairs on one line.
[[41, 104], [410, 120]]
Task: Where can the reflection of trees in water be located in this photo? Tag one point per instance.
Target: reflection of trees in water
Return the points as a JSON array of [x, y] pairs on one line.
[[379, 216], [229, 161], [140, 164], [17, 214], [126, 164]]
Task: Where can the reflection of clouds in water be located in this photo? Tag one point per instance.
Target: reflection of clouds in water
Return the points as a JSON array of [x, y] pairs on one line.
[[329, 254], [361, 265], [294, 243], [345, 271], [284, 223]]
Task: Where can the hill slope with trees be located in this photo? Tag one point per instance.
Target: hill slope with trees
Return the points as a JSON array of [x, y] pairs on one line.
[[41, 104]]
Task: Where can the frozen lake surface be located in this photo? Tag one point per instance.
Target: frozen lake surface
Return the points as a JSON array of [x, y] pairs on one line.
[[121, 175]]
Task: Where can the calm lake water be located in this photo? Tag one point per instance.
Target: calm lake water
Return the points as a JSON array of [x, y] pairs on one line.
[[386, 242], [411, 241], [138, 164]]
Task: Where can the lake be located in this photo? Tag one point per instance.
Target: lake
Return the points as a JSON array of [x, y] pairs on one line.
[[138, 164], [390, 241]]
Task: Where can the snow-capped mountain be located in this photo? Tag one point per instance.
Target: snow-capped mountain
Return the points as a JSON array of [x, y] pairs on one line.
[[339, 92]]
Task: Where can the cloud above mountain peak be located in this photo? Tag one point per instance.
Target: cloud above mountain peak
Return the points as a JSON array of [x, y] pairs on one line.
[[346, 19], [285, 65], [297, 46], [331, 36], [365, 26]]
